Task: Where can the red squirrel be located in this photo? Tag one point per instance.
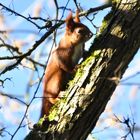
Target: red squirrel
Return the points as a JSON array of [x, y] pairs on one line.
[[63, 60]]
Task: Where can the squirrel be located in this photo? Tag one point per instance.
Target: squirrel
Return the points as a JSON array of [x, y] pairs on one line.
[[63, 60]]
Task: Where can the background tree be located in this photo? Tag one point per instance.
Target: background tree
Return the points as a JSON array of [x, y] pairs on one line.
[[87, 95]]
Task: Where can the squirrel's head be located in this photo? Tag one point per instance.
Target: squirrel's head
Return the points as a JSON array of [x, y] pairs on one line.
[[77, 32]]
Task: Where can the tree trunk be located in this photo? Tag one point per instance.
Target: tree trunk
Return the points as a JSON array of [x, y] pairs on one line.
[[98, 76]]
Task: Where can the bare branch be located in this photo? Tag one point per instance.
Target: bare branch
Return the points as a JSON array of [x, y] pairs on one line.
[[130, 124], [2, 81], [25, 113], [17, 14], [12, 97], [75, 1]]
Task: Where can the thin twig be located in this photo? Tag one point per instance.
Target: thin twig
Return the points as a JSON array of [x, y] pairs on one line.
[[17, 14]]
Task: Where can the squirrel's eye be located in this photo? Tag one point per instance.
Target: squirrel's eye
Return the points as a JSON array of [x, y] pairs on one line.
[[79, 31]]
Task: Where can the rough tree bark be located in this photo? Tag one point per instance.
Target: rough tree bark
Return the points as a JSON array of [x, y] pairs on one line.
[[94, 83]]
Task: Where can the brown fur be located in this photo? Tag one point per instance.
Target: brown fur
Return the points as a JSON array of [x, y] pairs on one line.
[[63, 60]]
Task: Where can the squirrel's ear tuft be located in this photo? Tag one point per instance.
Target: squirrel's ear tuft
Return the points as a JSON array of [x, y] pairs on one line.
[[69, 22], [77, 19]]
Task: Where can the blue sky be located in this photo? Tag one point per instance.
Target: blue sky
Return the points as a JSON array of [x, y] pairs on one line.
[[22, 75]]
